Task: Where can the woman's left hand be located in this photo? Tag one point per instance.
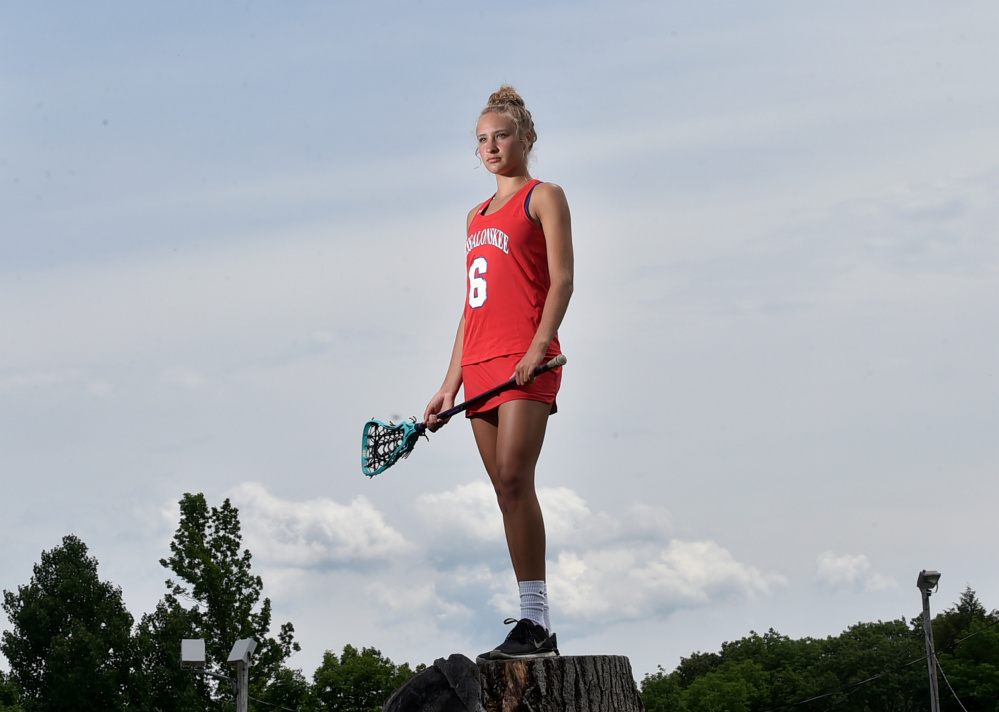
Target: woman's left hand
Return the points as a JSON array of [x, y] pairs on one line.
[[524, 372]]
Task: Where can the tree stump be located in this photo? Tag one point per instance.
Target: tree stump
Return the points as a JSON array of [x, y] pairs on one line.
[[583, 683], [573, 683]]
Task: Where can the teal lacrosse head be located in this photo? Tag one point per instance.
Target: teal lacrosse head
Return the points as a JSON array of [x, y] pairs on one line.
[[382, 444]]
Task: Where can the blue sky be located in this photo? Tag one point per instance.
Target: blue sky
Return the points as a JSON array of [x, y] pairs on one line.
[[230, 234]]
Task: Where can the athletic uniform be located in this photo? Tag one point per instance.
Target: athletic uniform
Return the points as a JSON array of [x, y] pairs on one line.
[[508, 282]]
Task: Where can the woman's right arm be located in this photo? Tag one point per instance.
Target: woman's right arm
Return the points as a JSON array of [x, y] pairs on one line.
[[444, 398]]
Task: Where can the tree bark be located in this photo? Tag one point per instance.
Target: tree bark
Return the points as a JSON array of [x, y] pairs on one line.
[[583, 683], [574, 683]]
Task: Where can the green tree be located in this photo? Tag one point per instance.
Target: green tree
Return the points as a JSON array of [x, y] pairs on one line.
[[70, 646], [356, 681], [973, 671], [967, 640], [955, 622], [695, 666], [288, 689], [868, 667], [734, 687], [787, 665], [213, 574], [10, 695], [879, 666], [661, 692], [162, 685]]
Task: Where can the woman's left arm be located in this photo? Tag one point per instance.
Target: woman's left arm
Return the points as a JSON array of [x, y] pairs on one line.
[[550, 208]]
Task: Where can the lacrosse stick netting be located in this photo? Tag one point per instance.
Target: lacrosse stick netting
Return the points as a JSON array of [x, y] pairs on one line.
[[382, 444]]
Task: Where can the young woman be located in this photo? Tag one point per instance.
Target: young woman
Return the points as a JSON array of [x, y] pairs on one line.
[[520, 265]]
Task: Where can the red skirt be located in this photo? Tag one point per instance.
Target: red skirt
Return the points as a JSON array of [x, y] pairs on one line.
[[480, 377]]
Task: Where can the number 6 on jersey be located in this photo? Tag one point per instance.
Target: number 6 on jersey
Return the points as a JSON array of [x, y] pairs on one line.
[[477, 283]]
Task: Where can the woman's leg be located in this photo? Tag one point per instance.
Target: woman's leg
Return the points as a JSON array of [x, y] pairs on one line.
[[509, 439]]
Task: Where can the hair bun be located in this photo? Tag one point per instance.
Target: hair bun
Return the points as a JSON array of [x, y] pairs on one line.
[[506, 95]]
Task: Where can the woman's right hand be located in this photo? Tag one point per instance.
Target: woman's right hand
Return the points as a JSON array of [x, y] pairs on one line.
[[442, 400]]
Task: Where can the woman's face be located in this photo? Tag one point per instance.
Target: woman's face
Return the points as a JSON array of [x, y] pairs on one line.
[[500, 149]]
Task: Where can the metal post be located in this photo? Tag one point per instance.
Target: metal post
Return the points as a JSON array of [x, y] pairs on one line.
[[926, 582]]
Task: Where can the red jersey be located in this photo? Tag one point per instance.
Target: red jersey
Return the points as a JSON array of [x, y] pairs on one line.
[[508, 281]]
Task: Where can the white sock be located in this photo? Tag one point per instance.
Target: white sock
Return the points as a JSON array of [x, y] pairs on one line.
[[534, 603]]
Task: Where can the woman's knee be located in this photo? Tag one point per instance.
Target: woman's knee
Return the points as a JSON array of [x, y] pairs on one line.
[[514, 486]]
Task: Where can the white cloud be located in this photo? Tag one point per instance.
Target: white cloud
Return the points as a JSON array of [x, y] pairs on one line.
[[850, 572], [315, 533], [649, 580], [404, 599], [468, 514], [600, 568], [568, 519]]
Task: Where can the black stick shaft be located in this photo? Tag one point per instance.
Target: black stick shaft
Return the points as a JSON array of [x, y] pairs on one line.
[[556, 362]]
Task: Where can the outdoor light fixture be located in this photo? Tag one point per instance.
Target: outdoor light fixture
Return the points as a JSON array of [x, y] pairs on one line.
[[242, 651], [192, 653], [927, 583], [928, 580]]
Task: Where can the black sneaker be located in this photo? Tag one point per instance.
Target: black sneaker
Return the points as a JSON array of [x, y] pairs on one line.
[[526, 640]]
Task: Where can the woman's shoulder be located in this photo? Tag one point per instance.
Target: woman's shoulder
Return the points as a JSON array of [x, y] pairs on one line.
[[547, 196], [544, 185], [548, 191]]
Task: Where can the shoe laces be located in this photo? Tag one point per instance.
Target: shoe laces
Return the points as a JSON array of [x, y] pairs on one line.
[[521, 629]]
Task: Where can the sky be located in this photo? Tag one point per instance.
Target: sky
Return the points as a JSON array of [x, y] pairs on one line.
[[231, 233]]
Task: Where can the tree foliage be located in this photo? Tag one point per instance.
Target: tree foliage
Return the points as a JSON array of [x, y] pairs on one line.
[[771, 671], [289, 690], [357, 681], [10, 695], [967, 640], [870, 666], [162, 682], [213, 575], [70, 646]]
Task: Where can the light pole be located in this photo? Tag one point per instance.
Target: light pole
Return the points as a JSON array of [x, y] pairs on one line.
[[240, 655], [192, 654], [927, 583]]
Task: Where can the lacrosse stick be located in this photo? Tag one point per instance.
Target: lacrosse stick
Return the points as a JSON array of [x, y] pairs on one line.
[[382, 444]]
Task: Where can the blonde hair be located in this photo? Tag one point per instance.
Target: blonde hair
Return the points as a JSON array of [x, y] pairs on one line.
[[508, 102]]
